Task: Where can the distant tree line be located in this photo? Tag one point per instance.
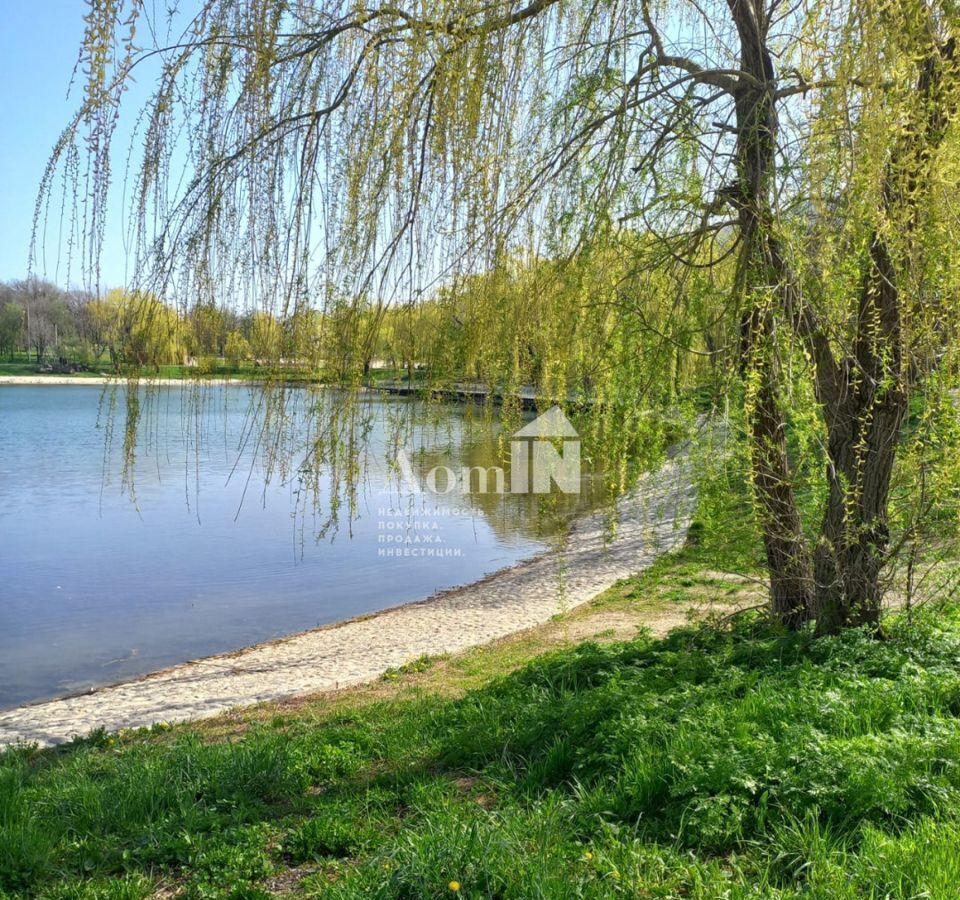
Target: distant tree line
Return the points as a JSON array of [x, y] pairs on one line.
[[503, 325], [124, 330], [342, 339]]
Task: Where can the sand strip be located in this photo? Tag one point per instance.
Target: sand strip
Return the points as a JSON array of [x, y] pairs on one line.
[[652, 520]]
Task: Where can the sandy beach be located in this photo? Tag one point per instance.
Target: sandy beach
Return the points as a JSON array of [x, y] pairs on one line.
[[652, 520]]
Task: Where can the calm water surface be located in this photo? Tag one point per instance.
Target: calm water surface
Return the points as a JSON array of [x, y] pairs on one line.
[[211, 554]]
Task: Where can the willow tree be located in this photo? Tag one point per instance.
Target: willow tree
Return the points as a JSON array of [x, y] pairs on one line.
[[294, 152]]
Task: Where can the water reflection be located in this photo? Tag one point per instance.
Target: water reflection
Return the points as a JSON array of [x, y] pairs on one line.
[[213, 518]]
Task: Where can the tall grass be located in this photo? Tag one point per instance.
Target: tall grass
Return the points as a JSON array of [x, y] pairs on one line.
[[712, 763]]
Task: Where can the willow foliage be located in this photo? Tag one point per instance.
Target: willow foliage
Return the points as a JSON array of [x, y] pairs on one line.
[[612, 199]]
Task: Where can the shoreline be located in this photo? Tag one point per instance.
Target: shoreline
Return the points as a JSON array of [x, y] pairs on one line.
[[652, 520], [107, 380]]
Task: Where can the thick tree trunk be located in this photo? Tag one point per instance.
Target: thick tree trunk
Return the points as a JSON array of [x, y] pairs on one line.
[[865, 400], [789, 562], [854, 536], [788, 558], [865, 397], [864, 419]]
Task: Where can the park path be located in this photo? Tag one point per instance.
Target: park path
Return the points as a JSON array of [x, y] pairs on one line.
[[652, 520]]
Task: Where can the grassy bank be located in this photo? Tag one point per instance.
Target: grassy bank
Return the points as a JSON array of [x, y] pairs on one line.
[[177, 373], [24, 365], [718, 761]]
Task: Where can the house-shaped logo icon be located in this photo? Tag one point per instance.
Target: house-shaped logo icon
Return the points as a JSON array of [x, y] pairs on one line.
[[536, 463], [533, 451]]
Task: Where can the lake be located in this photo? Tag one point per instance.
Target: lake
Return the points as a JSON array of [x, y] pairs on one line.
[[219, 538]]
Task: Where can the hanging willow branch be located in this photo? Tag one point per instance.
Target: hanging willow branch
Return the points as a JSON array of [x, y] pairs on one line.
[[571, 194]]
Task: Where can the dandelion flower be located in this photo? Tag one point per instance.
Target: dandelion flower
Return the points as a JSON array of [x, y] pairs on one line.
[[454, 885]]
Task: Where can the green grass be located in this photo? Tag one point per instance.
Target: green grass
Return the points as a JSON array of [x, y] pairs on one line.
[[18, 366], [207, 367], [210, 369], [711, 763], [421, 664], [728, 761]]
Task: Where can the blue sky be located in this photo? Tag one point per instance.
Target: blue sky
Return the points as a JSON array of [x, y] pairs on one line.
[[39, 44]]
